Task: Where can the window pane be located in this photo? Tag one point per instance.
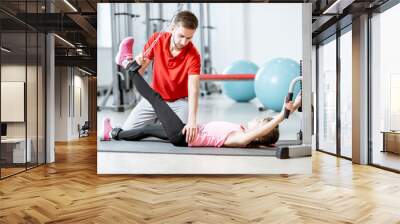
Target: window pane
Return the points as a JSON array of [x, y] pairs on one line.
[[13, 86], [41, 98], [31, 97], [23, 87], [327, 97], [385, 86], [346, 94]]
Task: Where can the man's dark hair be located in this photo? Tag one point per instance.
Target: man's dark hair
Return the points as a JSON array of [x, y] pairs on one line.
[[186, 19]]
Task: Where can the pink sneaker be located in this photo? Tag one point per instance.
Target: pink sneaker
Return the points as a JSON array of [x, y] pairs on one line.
[[125, 52], [107, 128]]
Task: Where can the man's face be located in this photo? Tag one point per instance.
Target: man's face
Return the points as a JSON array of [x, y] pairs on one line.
[[181, 36]]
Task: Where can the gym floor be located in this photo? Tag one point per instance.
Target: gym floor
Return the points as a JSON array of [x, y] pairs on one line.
[[217, 107]]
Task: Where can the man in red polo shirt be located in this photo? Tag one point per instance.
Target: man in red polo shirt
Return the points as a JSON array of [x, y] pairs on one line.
[[176, 70]]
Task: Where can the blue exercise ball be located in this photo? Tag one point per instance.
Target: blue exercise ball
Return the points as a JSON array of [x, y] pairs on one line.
[[240, 91], [272, 82]]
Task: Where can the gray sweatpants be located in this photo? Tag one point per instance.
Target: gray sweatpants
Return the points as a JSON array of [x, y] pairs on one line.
[[144, 114]]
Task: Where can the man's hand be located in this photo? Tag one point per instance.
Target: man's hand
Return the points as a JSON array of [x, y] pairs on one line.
[[191, 131]]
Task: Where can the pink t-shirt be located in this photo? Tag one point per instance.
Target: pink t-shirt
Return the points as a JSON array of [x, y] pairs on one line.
[[214, 133]]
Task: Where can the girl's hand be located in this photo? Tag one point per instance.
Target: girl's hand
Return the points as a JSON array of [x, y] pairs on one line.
[[289, 105]]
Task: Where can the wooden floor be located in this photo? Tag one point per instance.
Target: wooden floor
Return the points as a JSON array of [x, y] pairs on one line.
[[10, 171], [387, 159], [70, 191]]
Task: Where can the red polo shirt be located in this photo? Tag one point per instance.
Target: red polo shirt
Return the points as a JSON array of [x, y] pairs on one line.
[[170, 74]]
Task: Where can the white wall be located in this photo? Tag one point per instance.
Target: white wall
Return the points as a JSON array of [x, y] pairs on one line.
[[15, 72], [104, 44], [256, 32], [247, 31], [282, 33], [69, 82], [79, 117], [138, 26], [61, 103], [103, 26]]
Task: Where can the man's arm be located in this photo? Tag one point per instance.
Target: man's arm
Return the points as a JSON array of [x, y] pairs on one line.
[[193, 99], [144, 62], [193, 94]]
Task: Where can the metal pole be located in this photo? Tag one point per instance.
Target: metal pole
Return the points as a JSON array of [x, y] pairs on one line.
[[147, 21], [338, 97], [306, 66], [201, 26], [209, 37], [114, 41], [160, 15]]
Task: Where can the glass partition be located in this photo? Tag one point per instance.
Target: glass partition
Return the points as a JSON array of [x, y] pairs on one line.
[[385, 89], [22, 64], [346, 94], [13, 95], [327, 97]]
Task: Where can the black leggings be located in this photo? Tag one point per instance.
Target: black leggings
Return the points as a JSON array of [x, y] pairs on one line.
[[172, 125], [136, 134]]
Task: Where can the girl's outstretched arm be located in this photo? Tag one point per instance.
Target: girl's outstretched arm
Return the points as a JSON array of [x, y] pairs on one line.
[[242, 139]]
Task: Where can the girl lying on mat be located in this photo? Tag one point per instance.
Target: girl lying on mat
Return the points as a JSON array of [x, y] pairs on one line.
[[257, 132]]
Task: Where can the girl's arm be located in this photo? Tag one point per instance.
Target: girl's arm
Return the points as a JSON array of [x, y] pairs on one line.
[[297, 102], [242, 139]]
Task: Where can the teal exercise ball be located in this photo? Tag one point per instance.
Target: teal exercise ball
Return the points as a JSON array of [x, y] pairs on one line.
[[272, 82], [240, 91]]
